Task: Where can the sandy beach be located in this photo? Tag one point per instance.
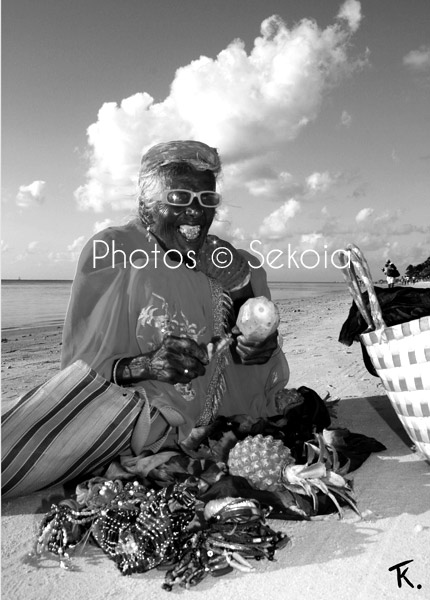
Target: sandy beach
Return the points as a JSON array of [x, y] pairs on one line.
[[325, 559]]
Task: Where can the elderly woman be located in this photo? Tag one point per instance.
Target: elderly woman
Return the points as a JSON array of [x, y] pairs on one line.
[[149, 300]]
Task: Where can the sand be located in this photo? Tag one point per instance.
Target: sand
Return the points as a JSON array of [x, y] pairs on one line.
[[325, 559]]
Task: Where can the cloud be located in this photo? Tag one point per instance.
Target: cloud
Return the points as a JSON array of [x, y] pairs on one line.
[[388, 216], [271, 188], [364, 214], [58, 257], [4, 247], [247, 105], [223, 228], [351, 12], [345, 119], [76, 244], [261, 179], [71, 254], [418, 60], [311, 240], [319, 182], [32, 247], [407, 228], [31, 194], [387, 223], [275, 225], [100, 225]]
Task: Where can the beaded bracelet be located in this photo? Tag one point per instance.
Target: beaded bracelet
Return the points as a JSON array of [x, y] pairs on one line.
[[115, 367], [145, 363]]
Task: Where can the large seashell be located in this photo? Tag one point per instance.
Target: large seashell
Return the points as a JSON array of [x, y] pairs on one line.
[[213, 507]]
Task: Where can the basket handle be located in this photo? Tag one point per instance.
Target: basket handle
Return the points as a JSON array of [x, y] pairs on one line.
[[356, 264]]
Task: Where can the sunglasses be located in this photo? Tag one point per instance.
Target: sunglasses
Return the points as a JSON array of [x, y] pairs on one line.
[[185, 198]]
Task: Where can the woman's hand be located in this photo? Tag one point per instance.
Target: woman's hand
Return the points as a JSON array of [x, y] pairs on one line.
[[255, 353], [177, 360]]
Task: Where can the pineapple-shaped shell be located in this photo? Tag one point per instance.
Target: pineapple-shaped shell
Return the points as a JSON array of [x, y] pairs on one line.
[[260, 460]]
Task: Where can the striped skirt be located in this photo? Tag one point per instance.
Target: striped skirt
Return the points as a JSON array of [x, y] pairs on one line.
[[68, 427]]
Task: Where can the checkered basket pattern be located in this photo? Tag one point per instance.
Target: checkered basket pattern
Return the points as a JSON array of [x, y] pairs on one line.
[[400, 354]]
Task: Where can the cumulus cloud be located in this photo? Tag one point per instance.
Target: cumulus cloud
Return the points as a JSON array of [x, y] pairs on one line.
[[388, 216], [351, 12], [32, 247], [319, 182], [260, 179], [271, 188], [418, 60], [275, 225], [76, 244], [407, 228], [100, 225], [311, 240], [58, 257], [69, 255], [387, 223], [345, 119], [364, 214], [245, 104], [31, 194], [222, 227]]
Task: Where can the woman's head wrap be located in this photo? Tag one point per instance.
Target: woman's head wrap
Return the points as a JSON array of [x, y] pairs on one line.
[[197, 154]]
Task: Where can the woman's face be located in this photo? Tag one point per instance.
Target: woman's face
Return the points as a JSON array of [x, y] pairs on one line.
[[184, 228]]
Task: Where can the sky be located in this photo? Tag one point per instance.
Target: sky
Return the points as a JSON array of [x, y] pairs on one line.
[[320, 111]]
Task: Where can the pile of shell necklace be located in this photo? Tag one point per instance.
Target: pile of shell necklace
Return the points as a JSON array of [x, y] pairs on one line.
[[140, 529]]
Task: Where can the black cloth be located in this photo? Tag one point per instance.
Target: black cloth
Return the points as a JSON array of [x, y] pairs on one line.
[[204, 464], [398, 305]]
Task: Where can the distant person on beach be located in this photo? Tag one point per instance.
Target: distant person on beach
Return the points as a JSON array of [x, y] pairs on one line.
[[149, 305], [391, 273]]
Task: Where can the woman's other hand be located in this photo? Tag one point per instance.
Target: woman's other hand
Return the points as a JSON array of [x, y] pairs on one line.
[[220, 260], [254, 353]]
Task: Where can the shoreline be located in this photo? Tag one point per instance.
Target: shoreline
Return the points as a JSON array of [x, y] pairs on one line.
[[29, 328]]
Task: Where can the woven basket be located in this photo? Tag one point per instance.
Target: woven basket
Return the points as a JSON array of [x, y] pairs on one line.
[[400, 354]]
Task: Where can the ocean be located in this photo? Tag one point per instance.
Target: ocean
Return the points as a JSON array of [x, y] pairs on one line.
[[30, 303]]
